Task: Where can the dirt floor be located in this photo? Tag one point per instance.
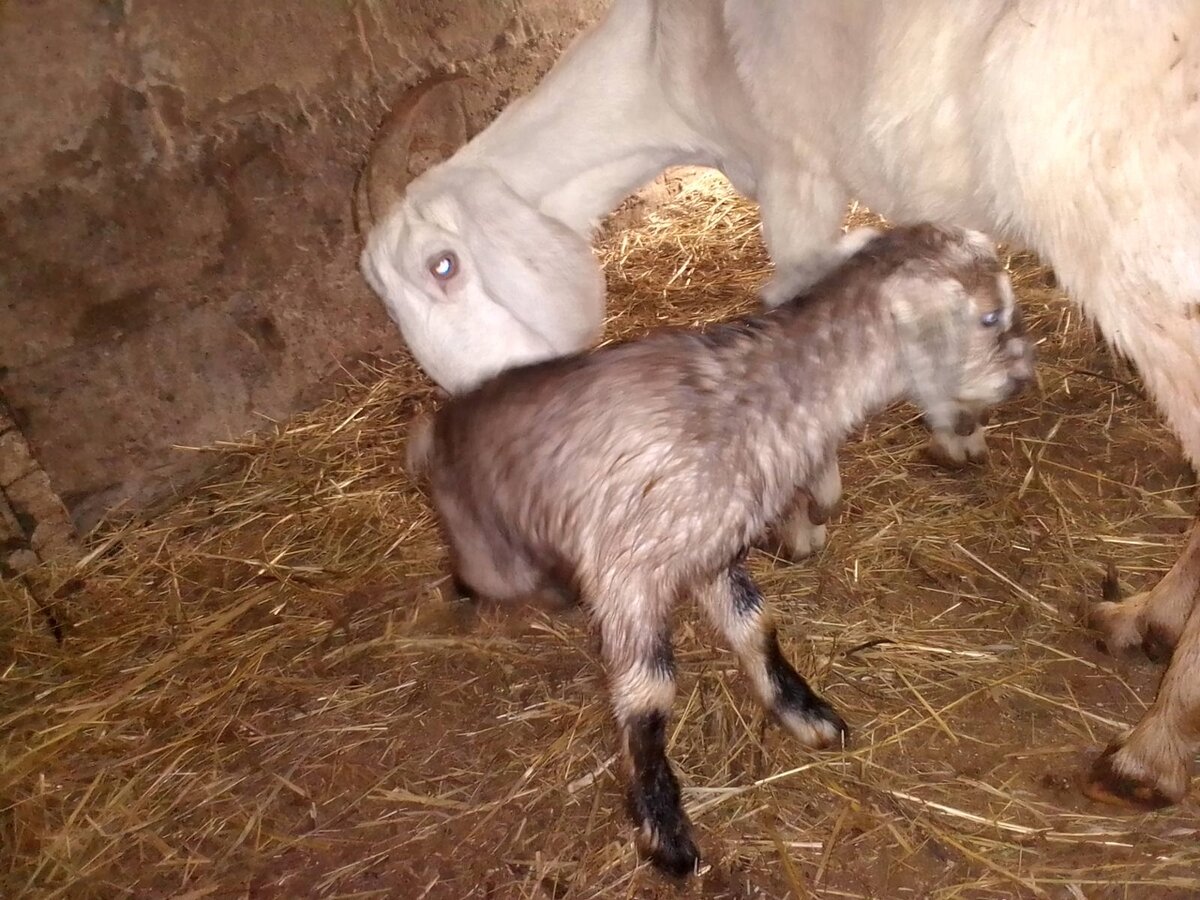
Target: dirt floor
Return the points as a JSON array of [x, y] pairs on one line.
[[263, 693]]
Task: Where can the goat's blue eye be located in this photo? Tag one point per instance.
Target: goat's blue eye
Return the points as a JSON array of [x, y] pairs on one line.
[[444, 266], [988, 319]]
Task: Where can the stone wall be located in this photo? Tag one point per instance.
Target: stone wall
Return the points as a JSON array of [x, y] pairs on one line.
[[178, 258], [34, 525]]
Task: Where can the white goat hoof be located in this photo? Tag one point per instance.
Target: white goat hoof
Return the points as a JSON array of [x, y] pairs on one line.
[[1124, 775], [1129, 625]]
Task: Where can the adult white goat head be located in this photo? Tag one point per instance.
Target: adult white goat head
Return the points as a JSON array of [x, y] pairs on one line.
[[485, 261], [478, 280]]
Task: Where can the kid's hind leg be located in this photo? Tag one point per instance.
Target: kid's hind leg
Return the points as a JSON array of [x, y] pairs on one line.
[[636, 645], [488, 572], [739, 611], [483, 576]]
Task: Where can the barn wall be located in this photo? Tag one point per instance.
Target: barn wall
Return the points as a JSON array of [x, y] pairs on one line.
[[177, 251]]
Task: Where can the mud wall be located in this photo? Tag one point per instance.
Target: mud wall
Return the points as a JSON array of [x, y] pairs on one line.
[[177, 250]]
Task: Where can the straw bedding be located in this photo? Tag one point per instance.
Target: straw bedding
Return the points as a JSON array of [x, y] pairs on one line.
[[263, 691]]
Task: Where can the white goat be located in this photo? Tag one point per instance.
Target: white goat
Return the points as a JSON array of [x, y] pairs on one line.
[[1072, 128]]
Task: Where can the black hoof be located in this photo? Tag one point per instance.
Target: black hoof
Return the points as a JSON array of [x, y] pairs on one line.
[[671, 852], [1158, 645]]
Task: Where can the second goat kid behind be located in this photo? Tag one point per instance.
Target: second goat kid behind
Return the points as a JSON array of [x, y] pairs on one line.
[[640, 473]]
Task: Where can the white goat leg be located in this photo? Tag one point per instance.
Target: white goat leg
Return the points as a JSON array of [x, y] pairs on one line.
[[1147, 768], [801, 214]]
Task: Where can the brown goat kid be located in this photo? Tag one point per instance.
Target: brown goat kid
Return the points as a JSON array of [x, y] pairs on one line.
[[638, 473]]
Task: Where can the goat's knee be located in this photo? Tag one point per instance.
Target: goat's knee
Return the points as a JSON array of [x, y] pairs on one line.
[[803, 269], [799, 535]]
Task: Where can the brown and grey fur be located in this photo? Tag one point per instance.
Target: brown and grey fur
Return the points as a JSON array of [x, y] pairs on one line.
[[638, 474]]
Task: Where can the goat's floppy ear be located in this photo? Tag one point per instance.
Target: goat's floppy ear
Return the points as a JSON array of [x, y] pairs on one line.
[[927, 312], [538, 269]]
